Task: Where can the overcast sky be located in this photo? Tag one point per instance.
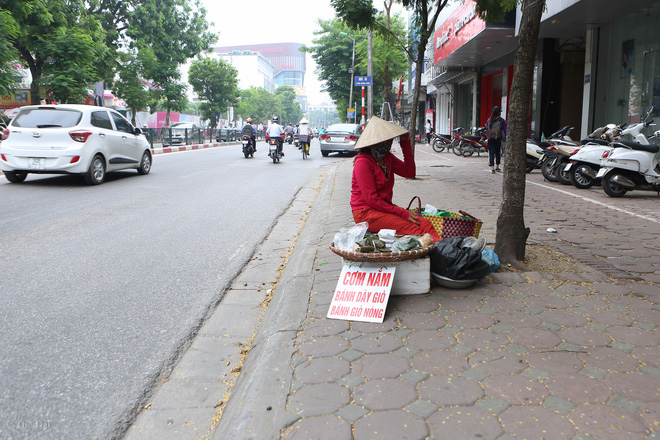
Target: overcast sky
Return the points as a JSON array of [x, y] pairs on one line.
[[262, 21]]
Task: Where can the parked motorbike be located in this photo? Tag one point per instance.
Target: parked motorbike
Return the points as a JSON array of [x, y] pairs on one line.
[[275, 148], [584, 165], [633, 166], [441, 141], [534, 152], [248, 147], [468, 145]]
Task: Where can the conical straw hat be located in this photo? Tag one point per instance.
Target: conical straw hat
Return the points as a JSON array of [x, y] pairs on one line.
[[378, 130], [304, 121]]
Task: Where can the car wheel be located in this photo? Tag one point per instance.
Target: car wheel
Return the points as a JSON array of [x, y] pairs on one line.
[[96, 173], [15, 177], [324, 153], [145, 164]]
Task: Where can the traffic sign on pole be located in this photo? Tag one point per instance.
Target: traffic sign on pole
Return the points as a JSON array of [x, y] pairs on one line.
[[363, 81]]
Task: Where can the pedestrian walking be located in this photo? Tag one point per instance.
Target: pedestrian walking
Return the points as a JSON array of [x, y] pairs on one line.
[[496, 130], [429, 131]]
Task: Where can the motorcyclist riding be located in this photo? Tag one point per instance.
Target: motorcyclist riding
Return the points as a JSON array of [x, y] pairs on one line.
[[275, 130], [249, 131]]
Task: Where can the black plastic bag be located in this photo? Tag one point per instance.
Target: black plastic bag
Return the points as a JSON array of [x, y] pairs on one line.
[[450, 260]]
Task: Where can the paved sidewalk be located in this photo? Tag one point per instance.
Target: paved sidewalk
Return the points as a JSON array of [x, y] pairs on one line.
[[536, 355]]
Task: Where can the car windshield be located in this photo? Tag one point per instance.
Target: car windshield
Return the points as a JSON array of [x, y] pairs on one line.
[[350, 128], [47, 117]]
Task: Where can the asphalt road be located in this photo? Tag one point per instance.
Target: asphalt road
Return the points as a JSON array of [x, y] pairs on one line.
[[103, 286]]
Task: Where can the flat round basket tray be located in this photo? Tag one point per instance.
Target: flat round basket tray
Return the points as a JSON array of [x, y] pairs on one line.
[[381, 257]]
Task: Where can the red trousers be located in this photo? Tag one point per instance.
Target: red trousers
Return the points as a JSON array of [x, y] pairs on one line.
[[378, 220]]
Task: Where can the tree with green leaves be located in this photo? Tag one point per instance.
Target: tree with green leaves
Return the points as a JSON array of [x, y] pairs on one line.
[[61, 44], [9, 29], [332, 52], [216, 84], [172, 31], [361, 14], [256, 103], [130, 87], [289, 110]]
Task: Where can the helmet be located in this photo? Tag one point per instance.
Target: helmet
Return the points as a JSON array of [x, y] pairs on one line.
[[249, 120], [276, 119], [290, 124]]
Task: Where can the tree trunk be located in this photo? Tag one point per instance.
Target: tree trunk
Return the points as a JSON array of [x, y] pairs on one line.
[[511, 236]]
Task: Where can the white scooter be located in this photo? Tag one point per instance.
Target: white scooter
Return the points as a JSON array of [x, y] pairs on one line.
[[633, 166], [584, 165]]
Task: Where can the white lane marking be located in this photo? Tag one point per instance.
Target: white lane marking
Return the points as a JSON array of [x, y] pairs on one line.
[[596, 202]]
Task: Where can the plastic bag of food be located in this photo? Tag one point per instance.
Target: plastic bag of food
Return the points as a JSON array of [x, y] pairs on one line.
[[490, 257], [345, 238], [405, 243]]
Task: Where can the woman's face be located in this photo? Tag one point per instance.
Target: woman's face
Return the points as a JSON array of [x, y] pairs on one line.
[[379, 150]]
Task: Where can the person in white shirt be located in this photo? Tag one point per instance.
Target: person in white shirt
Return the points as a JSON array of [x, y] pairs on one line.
[[305, 129], [275, 130]]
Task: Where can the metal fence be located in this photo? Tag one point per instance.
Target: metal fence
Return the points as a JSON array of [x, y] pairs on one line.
[[164, 137]]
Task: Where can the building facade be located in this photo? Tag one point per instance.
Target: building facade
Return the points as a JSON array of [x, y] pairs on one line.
[[254, 70], [597, 63], [289, 64]]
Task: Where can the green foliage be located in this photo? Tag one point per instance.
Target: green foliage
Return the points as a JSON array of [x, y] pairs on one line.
[[333, 55], [289, 110], [8, 54], [358, 14], [216, 84], [130, 87], [261, 105], [494, 10], [256, 103]]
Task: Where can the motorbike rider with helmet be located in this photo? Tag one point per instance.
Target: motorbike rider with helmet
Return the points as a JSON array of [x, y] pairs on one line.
[[249, 131], [275, 130]]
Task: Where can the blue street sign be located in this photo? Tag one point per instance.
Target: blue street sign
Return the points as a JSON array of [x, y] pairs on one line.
[[362, 81]]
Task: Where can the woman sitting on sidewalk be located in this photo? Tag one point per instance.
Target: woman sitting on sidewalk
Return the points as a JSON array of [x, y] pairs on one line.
[[373, 181]]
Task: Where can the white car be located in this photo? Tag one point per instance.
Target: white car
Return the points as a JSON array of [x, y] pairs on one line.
[[71, 139]]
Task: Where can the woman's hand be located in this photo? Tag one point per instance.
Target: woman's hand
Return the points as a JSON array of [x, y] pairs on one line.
[[404, 136], [413, 219]]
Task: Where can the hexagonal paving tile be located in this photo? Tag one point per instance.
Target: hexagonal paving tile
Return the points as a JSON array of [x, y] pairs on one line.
[[423, 321], [533, 338], [564, 318], [583, 336], [413, 304], [634, 336], [497, 362], [535, 422], [555, 362], [380, 366], [635, 385], [322, 370], [450, 390], [577, 388], [470, 320], [483, 339], [377, 343], [388, 425], [430, 340], [439, 362], [319, 428], [385, 394], [517, 319], [325, 327], [325, 346], [515, 389], [605, 422], [464, 423], [317, 400], [609, 359]]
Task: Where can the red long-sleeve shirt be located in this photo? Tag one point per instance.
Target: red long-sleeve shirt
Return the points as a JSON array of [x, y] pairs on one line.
[[372, 189]]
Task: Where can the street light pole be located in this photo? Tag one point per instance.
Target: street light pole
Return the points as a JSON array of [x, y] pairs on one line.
[[350, 99]]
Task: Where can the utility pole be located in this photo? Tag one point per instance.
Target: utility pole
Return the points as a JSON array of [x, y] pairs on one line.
[[370, 70]]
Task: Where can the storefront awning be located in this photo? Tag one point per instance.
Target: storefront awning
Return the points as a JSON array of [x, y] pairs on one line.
[[490, 44]]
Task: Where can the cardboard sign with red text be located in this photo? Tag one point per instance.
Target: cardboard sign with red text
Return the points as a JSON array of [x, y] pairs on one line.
[[362, 293]]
